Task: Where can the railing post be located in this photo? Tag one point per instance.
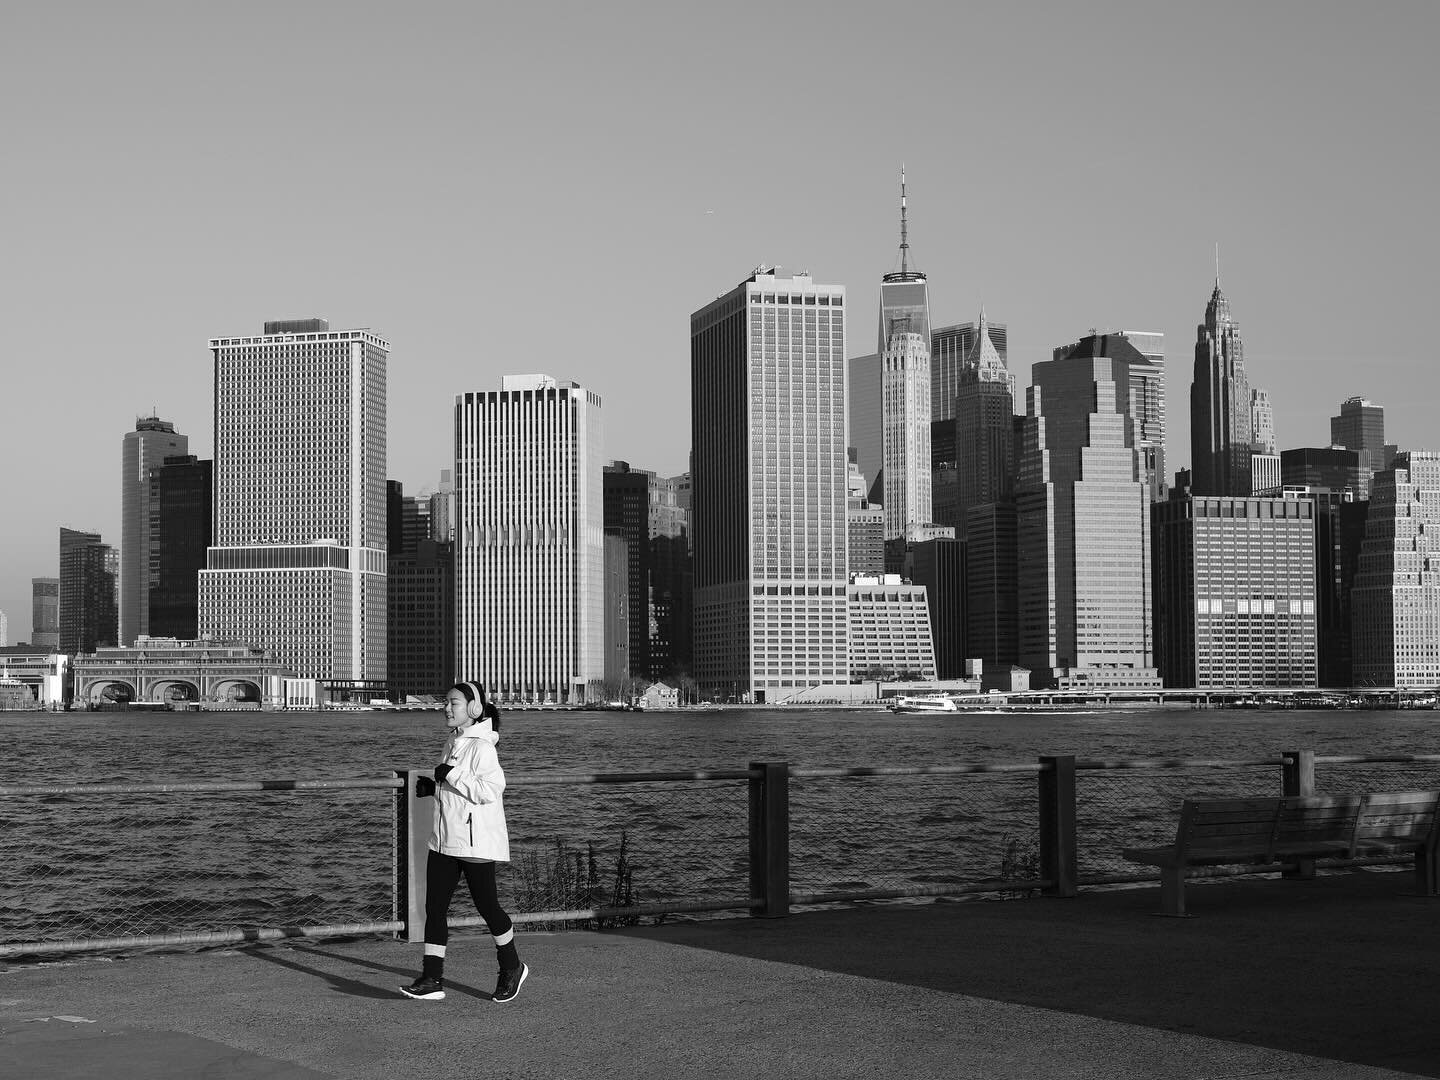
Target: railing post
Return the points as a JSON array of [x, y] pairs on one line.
[[413, 819], [770, 839], [1297, 773], [1058, 858], [1297, 777]]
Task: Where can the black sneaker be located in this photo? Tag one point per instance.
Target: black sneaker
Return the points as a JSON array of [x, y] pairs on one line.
[[509, 983], [424, 988]]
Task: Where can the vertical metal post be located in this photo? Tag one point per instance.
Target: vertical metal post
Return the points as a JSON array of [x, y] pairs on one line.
[[1059, 862], [413, 819], [770, 839], [1297, 777], [1297, 773]]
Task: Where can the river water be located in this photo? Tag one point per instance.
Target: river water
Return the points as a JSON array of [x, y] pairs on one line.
[[129, 864]]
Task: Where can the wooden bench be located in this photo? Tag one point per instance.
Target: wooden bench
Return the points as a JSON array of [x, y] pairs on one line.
[[1295, 830]]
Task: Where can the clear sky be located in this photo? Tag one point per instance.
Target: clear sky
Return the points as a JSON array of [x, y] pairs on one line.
[[505, 188]]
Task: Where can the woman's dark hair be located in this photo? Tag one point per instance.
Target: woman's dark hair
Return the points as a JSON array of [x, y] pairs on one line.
[[488, 711]]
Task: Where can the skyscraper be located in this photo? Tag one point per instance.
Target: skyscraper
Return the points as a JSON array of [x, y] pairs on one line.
[[1084, 530], [627, 511], [983, 408], [530, 547], [951, 349], [181, 518], [1235, 585], [88, 616], [298, 561], [983, 411], [1137, 372], [45, 613], [1395, 602], [1361, 427], [1264, 460], [142, 451], [904, 346], [768, 487], [1219, 405]]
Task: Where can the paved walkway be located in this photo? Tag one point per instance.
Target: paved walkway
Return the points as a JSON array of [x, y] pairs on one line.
[[1330, 979]]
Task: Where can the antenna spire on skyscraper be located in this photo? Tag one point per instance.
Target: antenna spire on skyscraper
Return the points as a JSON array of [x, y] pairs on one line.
[[1217, 264], [904, 242]]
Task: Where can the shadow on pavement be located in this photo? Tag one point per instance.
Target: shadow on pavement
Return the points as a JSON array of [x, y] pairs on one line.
[[354, 987], [1342, 967]]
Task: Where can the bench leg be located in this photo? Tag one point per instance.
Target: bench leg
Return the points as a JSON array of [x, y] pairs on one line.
[[1425, 876], [1172, 891], [1299, 870]]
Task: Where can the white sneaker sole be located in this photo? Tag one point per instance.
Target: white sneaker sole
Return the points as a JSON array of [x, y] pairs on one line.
[[434, 995], [524, 974]]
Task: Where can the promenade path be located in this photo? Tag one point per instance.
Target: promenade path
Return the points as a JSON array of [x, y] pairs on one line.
[[1332, 978]]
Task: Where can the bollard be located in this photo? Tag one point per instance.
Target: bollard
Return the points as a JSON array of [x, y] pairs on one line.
[[1058, 859], [1297, 777], [770, 839], [413, 820]]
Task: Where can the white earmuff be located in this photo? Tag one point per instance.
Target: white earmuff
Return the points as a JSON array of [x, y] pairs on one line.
[[475, 706]]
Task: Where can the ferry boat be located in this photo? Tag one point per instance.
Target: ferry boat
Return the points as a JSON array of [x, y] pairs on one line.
[[930, 703]]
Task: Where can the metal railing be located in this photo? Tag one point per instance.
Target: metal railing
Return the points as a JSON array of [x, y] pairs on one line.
[[124, 866]]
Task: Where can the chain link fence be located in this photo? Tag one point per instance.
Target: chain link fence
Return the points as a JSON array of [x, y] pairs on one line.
[[854, 833], [102, 862], [635, 845], [103, 865]]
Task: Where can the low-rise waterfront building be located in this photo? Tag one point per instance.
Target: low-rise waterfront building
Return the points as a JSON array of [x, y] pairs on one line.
[[174, 672], [889, 629], [43, 673], [1235, 592]]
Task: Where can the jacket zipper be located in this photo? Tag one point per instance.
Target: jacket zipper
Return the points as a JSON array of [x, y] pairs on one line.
[[470, 828]]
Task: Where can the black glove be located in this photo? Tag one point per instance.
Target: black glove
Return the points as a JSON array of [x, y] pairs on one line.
[[441, 771], [424, 787]]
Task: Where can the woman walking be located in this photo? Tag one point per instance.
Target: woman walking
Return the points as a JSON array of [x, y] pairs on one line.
[[468, 838]]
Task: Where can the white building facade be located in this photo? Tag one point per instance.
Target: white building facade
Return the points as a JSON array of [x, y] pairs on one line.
[[890, 634], [768, 488], [529, 540], [298, 563]]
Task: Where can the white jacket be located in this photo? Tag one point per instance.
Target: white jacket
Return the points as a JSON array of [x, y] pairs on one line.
[[469, 815]]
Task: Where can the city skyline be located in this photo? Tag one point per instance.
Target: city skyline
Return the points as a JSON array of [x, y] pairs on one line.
[[1312, 96]]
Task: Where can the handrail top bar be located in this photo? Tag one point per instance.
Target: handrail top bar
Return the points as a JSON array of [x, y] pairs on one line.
[[515, 779], [1360, 759], [1180, 763], [197, 786], [915, 770]]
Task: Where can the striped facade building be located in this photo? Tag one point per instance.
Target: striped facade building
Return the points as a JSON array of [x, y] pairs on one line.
[[530, 540], [768, 494], [298, 562], [1235, 589]]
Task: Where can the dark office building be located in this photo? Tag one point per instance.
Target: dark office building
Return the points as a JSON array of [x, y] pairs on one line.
[[1361, 427], [992, 603], [627, 509], [1331, 467], [407, 519], [181, 516], [617, 612], [420, 620], [89, 615], [939, 565]]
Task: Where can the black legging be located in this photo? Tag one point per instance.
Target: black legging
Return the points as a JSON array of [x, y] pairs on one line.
[[442, 874]]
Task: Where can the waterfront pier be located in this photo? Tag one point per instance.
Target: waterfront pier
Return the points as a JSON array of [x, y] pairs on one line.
[[1326, 979]]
